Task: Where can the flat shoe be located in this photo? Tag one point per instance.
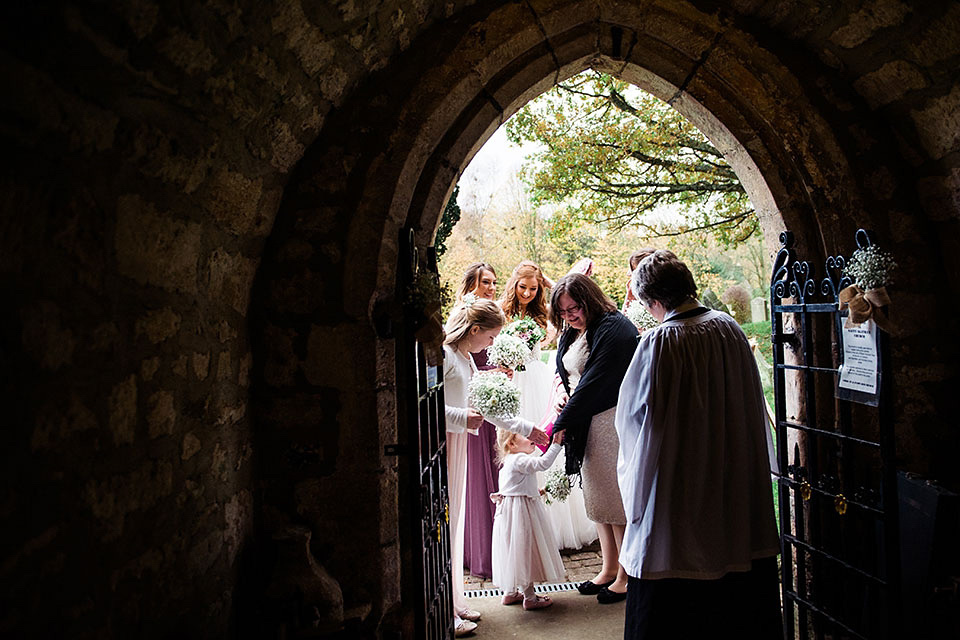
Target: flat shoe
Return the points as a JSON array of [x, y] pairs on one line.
[[536, 602], [589, 588], [469, 614], [609, 597], [512, 598], [465, 628]]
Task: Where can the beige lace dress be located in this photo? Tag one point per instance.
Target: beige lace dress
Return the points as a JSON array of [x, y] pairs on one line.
[[601, 493]]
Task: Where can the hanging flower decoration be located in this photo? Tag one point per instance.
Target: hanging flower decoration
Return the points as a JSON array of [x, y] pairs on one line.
[[870, 268], [424, 299], [557, 487], [508, 351], [493, 394], [640, 317]]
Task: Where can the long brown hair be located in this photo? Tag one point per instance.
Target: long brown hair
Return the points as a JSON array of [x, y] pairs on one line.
[[585, 293], [471, 278], [536, 308]]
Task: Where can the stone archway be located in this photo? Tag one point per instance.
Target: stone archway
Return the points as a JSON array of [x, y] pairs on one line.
[[389, 158]]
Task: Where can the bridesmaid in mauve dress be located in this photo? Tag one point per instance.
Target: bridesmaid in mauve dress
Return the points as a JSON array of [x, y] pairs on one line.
[[482, 470], [482, 480]]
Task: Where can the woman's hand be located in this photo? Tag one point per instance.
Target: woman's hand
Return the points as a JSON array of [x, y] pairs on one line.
[[558, 436], [474, 418], [561, 401], [540, 437], [509, 372]]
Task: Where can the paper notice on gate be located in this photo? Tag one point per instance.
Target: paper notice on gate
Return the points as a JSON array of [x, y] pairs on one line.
[[860, 362]]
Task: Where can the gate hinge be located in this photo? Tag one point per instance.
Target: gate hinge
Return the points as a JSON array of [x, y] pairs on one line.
[[395, 450]]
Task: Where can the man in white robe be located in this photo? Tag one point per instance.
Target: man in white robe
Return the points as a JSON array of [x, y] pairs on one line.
[[700, 544]]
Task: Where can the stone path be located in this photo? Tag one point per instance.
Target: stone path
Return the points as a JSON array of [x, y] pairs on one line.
[[572, 615]]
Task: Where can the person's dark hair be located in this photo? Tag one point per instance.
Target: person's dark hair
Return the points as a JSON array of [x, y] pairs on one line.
[[585, 293], [663, 277], [639, 255], [471, 278]]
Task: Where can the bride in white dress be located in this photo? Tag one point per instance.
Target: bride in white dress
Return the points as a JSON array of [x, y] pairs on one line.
[[525, 295]]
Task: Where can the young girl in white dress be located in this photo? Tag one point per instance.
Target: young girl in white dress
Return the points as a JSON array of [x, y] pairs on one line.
[[524, 548], [471, 328], [525, 295]]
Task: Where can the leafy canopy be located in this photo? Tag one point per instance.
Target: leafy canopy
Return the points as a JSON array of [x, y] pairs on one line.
[[619, 157]]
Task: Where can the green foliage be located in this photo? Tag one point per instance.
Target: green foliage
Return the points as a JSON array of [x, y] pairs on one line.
[[450, 217], [617, 156]]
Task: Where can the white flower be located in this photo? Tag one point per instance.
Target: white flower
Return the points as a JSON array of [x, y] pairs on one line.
[[558, 486], [508, 351], [639, 316], [870, 268], [493, 394]]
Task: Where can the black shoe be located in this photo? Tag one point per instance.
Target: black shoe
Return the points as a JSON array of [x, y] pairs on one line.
[[589, 588], [609, 597]]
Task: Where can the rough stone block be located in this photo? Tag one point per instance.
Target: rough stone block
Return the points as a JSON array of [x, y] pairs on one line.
[[159, 325], [875, 15], [938, 124], [45, 338], [155, 249], [162, 415], [889, 83], [123, 411]]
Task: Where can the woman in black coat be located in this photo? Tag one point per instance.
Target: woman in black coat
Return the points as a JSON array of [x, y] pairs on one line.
[[595, 349]]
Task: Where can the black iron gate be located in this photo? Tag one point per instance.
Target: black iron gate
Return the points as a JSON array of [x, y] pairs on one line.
[[423, 460], [837, 482]]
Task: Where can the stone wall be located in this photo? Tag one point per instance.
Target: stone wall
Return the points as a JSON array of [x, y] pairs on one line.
[[200, 204]]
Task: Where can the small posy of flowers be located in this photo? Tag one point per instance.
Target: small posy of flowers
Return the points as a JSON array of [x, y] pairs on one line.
[[508, 351], [527, 329], [493, 394], [558, 486], [870, 268], [640, 317]]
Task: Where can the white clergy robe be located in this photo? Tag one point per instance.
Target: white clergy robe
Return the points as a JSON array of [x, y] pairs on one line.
[[693, 464]]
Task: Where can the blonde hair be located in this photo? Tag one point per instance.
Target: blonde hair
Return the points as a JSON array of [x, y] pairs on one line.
[[536, 308], [472, 312], [502, 447]]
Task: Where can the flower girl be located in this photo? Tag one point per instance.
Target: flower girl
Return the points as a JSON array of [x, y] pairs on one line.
[[524, 548]]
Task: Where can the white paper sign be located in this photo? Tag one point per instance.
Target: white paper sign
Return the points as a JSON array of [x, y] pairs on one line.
[[859, 370]]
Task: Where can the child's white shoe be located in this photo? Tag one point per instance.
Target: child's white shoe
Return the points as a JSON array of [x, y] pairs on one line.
[[512, 598], [464, 628], [469, 614]]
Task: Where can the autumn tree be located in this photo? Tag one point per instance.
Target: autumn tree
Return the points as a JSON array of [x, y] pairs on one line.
[[620, 157]]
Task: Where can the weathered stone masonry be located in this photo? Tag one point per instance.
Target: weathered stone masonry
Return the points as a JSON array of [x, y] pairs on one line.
[[200, 206]]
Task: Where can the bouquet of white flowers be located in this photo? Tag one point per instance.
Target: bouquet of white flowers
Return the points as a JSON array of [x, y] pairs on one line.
[[639, 316], [493, 394], [527, 329], [558, 486], [508, 351], [870, 268]]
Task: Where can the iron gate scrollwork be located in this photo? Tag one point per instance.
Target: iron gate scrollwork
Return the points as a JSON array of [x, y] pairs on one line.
[[839, 533], [423, 467]]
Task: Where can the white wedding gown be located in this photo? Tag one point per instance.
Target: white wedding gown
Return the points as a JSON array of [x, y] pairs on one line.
[[568, 519]]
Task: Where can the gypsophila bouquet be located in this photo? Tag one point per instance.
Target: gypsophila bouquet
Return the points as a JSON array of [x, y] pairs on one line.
[[527, 329], [508, 351], [639, 316], [493, 394], [558, 485], [870, 268]]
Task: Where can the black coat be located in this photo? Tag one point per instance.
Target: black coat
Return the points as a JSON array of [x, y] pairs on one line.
[[612, 339]]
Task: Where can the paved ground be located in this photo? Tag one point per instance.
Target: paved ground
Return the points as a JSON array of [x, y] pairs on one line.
[[572, 615]]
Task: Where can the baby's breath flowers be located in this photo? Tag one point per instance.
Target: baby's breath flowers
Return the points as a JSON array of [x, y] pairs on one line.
[[493, 394], [557, 487], [639, 316], [870, 268], [508, 351], [527, 329]]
